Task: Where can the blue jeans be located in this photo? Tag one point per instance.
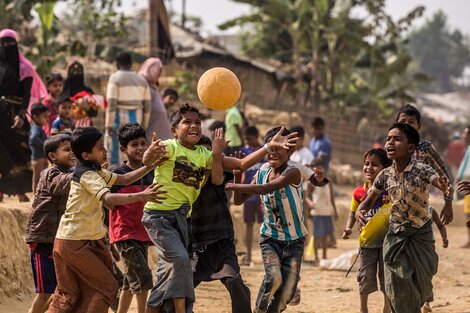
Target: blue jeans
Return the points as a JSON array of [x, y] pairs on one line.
[[282, 261]]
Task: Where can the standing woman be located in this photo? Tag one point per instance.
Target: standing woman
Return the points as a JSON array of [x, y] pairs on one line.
[[151, 70], [19, 83]]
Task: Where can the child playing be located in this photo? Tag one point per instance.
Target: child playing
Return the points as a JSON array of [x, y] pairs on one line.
[[213, 239], [126, 231], [37, 136], [373, 232], [54, 85], [283, 231], [83, 264], [48, 206], [169, 97], [182, 176], [63, 122], [252, 209], [321, 202], [410, 259]]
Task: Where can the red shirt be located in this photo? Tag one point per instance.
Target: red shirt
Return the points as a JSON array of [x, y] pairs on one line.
[[52, 106], [455, 152]]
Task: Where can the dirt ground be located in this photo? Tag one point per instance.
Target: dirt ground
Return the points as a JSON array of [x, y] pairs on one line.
[[321, 291]]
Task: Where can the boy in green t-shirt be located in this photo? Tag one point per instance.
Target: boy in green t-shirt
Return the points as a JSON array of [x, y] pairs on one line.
[[182, 175]]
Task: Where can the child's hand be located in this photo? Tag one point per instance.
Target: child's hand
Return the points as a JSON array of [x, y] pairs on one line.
[[285, 142], [153, 193], [218, 141], [155, 154], [347, 233], [319, 174], [115, 253], [229, 186], [464, 186], [443, 184], [445, 242], [238, 155], [360, 217]]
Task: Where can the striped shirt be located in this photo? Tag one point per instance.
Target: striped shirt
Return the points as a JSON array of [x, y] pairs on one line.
[[283, 218], [130, 91]]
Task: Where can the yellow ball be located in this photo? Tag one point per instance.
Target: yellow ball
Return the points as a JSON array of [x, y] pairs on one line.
[[218, 88]]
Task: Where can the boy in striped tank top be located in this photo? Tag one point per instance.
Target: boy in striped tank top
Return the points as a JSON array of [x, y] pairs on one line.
[[283, 230]]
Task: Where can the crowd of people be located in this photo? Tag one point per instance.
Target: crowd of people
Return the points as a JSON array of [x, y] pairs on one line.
[[170, 185]]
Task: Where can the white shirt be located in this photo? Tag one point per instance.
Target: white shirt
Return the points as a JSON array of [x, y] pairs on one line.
[[303, 156]]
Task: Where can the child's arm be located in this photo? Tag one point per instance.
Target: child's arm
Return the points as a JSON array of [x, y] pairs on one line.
[[365, 206], [349, 225], [443, 184], [464, 187], [332, 199], [308, 197], [291, 177], [441, 227], [218, 144], [60, 184], [152, 193], [278, 142]]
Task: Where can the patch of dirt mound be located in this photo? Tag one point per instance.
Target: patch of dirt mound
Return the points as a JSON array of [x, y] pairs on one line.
[[15, 268]]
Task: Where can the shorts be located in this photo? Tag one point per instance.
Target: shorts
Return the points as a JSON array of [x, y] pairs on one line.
[[466, 204], [137, 274], [322, 226], [252, 212], [371, 261], [43, 273]]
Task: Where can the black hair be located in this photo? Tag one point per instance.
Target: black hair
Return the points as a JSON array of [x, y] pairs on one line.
[[53, 143], [170, 91], [410, 110], [177, 116], [63, 99], [318, 122], [124, 59], [205, 141], [83, 140], [38, 108], [217, 124], [53, 77], [411, 134], [299, 130], [129, 132], [381, 154], [251, 130], [273, 131]]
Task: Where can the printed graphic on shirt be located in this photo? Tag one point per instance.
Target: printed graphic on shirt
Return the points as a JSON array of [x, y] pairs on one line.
[[187, 173]]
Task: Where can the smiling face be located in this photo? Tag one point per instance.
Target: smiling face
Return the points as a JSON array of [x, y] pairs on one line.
[[63, 156], [410, 120], [372, 167], [135, 149], [397, 145], [188, 131], [98, 153]]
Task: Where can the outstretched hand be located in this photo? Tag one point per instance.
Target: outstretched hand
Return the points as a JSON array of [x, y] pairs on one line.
[[285, 142], [443, 184], [153, 193], [464, 187], [238, 155], [156, 153], [218, 141]]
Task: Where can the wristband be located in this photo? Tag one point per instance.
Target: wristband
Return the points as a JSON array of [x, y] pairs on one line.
[[266, 147]]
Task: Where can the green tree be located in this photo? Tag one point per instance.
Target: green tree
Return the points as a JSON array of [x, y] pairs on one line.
[[439, 52]]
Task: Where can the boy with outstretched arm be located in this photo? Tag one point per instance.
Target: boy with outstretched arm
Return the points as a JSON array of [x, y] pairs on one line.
[[48, 206], [410, 259], [283, 230], [85, 282]]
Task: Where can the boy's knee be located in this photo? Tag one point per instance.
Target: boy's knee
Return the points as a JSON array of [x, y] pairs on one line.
[[274, 278]]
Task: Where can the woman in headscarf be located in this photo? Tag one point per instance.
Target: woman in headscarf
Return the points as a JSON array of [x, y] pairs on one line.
[[151, 70], [19, 86], [85, 103]]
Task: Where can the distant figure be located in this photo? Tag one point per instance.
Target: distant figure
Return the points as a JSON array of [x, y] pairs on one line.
[[455, 153], [170, 97], [379, 143], [54, 85], [234, 124], [128, 96], [151, 70], [464, 175], [37, 137], [320, 145]]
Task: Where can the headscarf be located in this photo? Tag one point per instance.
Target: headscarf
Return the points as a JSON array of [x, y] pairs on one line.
[[75, 81], [26, 68], [151, 70]]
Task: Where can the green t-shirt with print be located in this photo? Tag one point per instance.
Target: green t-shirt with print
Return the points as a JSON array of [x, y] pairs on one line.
[[182, 175], [232, 118]]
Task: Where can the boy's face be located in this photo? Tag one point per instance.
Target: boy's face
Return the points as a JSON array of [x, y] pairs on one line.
[[55, 88], [189, 129], [318, 132], [65, 110], [372, 167], [169, 101], [410, 120], [63, 156], [279, 157], [250, 140], [98, 153], [299, 144], [135, 149], [397, 145], [41, 119]]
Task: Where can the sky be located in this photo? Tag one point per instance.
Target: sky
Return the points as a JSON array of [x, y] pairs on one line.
[[214, 12]]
